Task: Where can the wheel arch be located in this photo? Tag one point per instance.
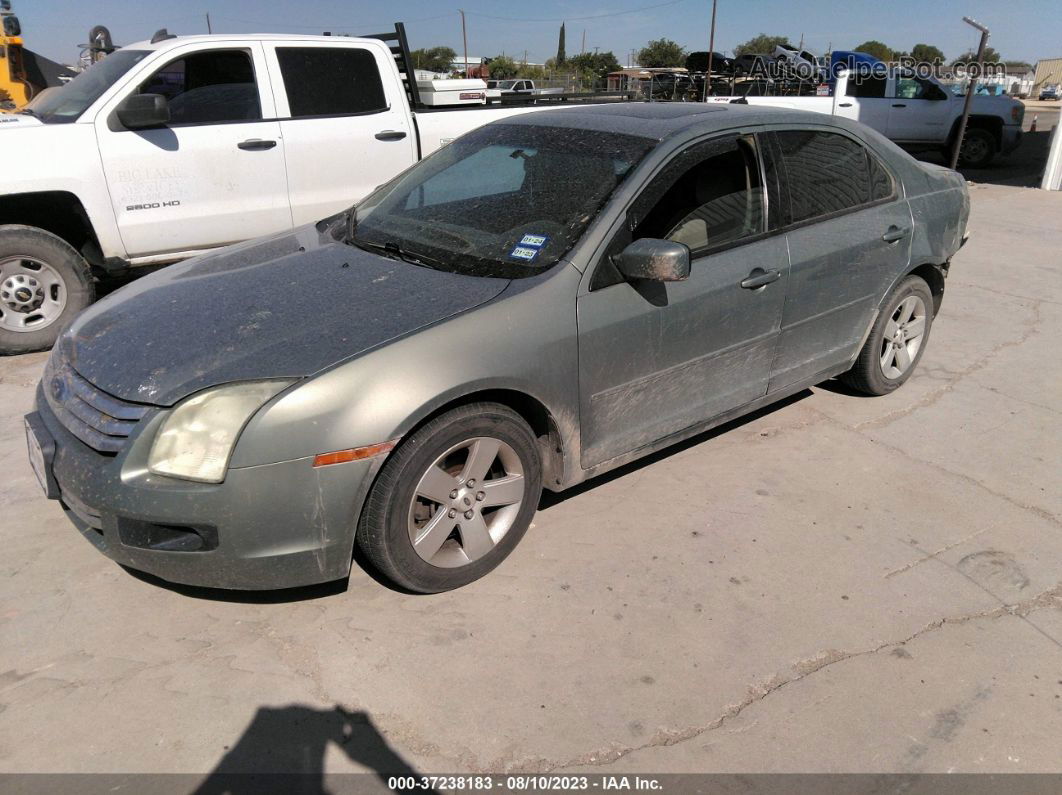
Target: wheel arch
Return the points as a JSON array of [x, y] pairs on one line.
[[993, 124], [60, 213]]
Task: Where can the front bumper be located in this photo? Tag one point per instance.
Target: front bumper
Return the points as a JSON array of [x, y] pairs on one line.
[[265, 527], [1010, 139]]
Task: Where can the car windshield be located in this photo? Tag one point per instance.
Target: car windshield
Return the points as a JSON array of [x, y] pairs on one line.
[[65, 104], [505, 200]]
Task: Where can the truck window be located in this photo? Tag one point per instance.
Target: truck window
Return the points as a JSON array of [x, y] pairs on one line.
[[331, 81], [828, 173], [911, 87], [866, 86], [208, 87]]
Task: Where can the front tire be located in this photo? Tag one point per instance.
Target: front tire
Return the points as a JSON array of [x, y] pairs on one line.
[[44, 284], [453, 500], [978, 148], [897, 340]]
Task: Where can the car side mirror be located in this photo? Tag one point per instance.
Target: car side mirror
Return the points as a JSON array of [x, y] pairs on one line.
[[654, 260], [144, 110]]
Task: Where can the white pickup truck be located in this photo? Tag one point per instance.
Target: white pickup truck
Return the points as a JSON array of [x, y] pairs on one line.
[[173, 147], [916, 112]]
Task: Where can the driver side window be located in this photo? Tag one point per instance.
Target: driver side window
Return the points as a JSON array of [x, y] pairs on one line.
[[208, 88], [710, 197]]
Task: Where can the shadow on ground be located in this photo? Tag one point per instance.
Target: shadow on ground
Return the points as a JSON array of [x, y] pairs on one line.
[[1022, 168], [283, 751]]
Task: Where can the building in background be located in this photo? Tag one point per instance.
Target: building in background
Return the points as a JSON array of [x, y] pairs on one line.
[[1048, 73]]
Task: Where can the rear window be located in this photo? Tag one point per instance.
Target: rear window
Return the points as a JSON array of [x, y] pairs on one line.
[[828, 173], [326, 81]]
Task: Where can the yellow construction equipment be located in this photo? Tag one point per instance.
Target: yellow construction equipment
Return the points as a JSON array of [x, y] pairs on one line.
[[15, 89]]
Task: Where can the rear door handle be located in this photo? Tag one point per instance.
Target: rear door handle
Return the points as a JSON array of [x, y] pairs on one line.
[[390, 135], [899, 105], [760, 278], [845, 105], [255, 144], [894, 233]]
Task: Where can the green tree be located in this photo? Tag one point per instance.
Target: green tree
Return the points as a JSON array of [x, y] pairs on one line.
[[561, 55], [927, 53], [970, 56], [434, 59], [760, 45], [662, 53], [594, 65], [502, 67], [880, 51]]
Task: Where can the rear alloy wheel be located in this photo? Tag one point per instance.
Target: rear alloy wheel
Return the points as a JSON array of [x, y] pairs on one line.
[[978, 148], [44, 283], [897, 340], [453, 500]]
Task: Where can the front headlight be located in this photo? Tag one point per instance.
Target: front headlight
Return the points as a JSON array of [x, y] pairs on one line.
[[196, 440]]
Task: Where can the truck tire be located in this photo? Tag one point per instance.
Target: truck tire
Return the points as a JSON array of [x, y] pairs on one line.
[[44, 284], [978, 148]]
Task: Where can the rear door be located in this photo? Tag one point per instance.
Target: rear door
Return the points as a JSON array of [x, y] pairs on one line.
[[866, 100], [345, 122], [215, 174], [656, 358], [849, 236]]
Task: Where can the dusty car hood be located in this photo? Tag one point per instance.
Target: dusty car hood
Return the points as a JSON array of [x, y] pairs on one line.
[[286, 306]]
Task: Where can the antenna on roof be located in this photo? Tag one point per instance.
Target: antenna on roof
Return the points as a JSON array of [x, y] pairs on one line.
[[161, 35]]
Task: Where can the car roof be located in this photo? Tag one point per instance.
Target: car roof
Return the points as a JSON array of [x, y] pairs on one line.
[[660, 120], [213, 38]]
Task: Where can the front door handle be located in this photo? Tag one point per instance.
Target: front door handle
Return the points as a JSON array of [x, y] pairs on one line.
[[845, 105], [390, 135], [760, 278], [255, 144], [899, 105], [894, 233]]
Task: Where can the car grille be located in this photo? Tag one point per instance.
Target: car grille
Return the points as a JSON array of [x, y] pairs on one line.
[[101, 421]]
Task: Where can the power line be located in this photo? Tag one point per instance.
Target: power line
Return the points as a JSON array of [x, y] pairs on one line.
[[576, 19]]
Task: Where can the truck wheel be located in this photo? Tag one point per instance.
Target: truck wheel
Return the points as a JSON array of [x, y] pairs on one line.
[[44, 284], [453, 499], [978, 148], [897, 340]]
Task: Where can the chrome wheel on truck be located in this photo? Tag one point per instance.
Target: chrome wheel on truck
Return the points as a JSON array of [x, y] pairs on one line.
[[44, 283], [453, 499]]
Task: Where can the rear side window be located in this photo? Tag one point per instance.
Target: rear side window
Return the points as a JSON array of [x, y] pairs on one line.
[[827, 173], [322, 81], [866, 86]]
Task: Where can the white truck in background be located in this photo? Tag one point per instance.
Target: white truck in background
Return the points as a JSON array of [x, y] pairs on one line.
[[918, 113], [173, 147]]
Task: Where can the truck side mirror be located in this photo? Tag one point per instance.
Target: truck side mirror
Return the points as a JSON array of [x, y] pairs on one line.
[[144, 110], [654, 260]]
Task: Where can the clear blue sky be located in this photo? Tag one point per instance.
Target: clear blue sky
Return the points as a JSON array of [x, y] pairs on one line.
[[1022, 29]]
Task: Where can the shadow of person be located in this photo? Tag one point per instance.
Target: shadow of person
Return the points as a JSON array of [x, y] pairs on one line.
[[283, 749]]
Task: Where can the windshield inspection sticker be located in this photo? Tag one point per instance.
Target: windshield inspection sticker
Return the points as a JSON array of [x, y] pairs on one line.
[[534, 241], [524, 253]]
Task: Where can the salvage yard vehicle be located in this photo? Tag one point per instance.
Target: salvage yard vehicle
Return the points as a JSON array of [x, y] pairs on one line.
[[169, 148], [541, 301], [916, 112]]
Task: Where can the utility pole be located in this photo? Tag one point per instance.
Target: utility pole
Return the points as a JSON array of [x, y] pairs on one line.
[[583, 50], [464, 38], [711, 50], [209, 29], [971, 85]]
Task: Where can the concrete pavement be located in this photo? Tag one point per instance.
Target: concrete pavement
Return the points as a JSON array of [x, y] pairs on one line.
[[838, 584]]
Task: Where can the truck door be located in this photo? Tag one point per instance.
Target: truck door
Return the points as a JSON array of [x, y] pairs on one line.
[[345, 122], [865, 100], [919, 111], [215, 173]]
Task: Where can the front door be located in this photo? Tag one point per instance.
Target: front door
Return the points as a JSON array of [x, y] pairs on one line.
[[849, 236], [656, 358], [213, 175], [345, 130], [919, 111]]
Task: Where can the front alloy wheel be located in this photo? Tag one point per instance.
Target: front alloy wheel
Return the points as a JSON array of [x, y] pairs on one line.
[[453, 499]]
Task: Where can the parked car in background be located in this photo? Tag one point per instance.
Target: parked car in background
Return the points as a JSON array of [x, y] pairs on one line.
[[916, 112], [541, 301], [170, 148], [1050, 93], [793, 56]]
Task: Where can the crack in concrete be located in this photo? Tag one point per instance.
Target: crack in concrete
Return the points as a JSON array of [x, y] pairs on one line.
[[801, 669], [933, 555]]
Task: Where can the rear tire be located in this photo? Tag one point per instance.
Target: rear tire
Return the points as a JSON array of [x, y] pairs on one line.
[[453, 500], [897, 340], [44, 284]]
